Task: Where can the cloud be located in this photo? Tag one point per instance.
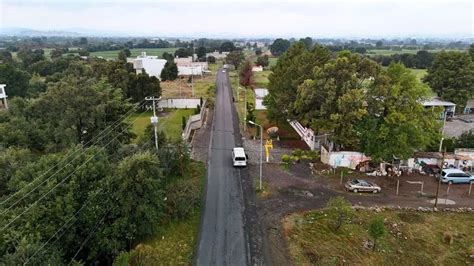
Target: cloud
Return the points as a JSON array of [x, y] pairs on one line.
[[246, 18]]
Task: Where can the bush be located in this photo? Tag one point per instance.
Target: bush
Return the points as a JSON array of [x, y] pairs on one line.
[[286, 158], [183, 198]]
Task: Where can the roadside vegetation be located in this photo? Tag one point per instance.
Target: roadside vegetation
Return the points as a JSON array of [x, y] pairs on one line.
[[134, 52], [402, 237]]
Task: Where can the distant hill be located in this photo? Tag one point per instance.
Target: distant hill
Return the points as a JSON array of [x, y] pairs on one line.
[[76, 32]]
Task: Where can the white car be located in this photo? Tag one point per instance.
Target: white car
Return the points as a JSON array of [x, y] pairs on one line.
[[223, 71], [239, 158], [361, 185]]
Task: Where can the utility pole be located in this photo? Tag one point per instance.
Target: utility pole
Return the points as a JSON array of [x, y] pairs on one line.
[[442, 131], [439, 180], [154, 118]]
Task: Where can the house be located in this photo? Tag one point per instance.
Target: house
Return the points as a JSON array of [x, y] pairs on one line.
[[260, 93], [257, 68], [449, 107], [217, 55], [469, 109], [149, 64], [3, 97]]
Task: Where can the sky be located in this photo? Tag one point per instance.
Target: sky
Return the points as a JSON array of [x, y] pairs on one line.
[[247, 18]]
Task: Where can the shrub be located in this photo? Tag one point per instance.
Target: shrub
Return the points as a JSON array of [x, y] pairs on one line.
[[183, 198], [376, 229], [286, 158], [339, 210]]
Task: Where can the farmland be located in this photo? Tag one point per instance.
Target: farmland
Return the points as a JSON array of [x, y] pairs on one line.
[[135, 52], [401, 51]]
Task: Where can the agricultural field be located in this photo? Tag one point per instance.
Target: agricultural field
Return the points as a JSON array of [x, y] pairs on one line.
[[412, 238], [261, 78], [135, 52]]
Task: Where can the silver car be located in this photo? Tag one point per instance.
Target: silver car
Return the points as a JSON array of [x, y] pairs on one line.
[[361, 185]]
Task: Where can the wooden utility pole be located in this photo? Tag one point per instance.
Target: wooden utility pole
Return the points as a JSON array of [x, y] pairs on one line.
[[439, 179]]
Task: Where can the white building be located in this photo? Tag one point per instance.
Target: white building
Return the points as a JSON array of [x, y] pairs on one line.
[[257, 68], [259, 95], [217, 54], [188, 62], [3, 96], [149, 64], [190, 70]]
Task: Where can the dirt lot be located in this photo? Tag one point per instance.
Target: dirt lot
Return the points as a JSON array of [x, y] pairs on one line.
[[294, 189]]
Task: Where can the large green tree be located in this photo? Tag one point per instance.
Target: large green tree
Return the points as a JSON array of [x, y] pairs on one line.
[[279, 46], [235, 58], [15, 79], [397, 124], [246, 74], [451, 76], [292, 68]]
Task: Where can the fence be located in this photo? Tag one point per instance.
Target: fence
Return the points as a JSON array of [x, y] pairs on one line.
[[194, 122]]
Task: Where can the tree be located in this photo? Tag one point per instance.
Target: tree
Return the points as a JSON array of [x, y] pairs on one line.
[[451, 76], [471, 52], [258, 51], [379, 44], [339, 211], [167, 56], [279, 46], [122, 57], [263, 61], [246, 74], [376, 229], [16, 80], [235, 58], [211, 59], [293, 67], [29, 57], [201, 52], [142, 86], [397, 124], [308, 42], [169, 72], [127, 52], [227, 47], [334, 99], [56, 53], [466, 140], [182, 52], [83, 41]]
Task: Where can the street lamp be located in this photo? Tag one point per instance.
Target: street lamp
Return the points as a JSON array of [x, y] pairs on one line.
[[261, 151]]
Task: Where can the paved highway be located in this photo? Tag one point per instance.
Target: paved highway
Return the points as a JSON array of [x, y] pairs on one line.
[[222, 238]]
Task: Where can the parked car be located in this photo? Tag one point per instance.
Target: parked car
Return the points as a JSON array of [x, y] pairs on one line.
[[239, 157], [452, 176], [361, 185]]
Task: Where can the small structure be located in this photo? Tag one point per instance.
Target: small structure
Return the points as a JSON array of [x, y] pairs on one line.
[[190, 70], [3, 96], [217, 55], [149, 64], [313, 141], [469, 109], [449, 107], [260, 93], [257, 68]]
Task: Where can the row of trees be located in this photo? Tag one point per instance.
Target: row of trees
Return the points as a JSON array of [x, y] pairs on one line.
[[364, 107], [421, 60], [73, 186]]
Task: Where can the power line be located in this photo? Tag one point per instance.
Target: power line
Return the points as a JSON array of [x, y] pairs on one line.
[[62, 181], [61, 228], [67, 157], [91, 232]]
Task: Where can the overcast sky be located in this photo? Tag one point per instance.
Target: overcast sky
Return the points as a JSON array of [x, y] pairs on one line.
[[241, 18]]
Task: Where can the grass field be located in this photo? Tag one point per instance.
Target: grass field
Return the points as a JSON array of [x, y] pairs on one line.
[[135, 52], [412, 238], [419, 73], [261, 78], [170, 124]]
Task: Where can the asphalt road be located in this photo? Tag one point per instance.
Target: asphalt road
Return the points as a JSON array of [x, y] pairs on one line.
[[222, 238]]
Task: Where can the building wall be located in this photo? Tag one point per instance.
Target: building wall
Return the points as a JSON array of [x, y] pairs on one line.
[[150, 64], [179, 103]]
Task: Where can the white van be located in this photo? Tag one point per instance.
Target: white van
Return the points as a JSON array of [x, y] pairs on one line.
[[239, 157]]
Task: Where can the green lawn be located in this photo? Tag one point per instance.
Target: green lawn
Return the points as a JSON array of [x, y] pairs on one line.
[[272, 61], [135, 52], [261, 78], [419, 73], [412, 238], [170, 124]]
